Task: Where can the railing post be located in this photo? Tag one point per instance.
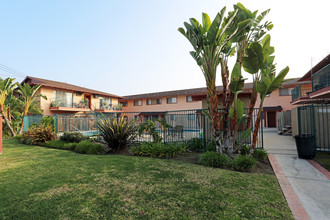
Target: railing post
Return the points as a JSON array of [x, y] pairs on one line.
[[204, 132], [0, 134]]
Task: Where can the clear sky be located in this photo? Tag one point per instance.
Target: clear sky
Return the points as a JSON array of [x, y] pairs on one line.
[[133, 47]]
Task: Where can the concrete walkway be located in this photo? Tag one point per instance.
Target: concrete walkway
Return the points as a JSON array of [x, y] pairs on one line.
[[308, 185]]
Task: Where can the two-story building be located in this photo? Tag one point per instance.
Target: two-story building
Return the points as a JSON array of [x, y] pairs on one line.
[[64, 98], [313, 96]]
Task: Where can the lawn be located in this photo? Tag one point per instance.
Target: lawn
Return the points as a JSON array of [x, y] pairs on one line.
[[43, 183], [323, 158]]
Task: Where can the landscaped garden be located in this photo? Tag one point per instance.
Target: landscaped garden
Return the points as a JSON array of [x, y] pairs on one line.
[[43, 183]]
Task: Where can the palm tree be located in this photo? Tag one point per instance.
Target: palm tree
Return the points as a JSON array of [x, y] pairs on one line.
[[209, 41], [29, 95], [6, 88]]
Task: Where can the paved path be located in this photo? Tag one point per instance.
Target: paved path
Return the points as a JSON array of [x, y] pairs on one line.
[[306, 189]]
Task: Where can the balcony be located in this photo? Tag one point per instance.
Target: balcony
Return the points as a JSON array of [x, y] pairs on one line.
[[300, 94], [110, 108], [69, 105], [321, 83]]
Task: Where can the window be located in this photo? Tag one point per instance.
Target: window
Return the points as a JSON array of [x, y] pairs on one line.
[[285, 91], [124, 104], [189, 99], [62, 99], [173, 117], [191, 117], [137, 102], [154, 101], [172, 100], [105, 103]]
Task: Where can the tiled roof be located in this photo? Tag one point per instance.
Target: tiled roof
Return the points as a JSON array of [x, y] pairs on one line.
[[66, 86], [196, 91]]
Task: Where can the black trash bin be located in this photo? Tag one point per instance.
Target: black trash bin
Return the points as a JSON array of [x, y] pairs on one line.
[[305, 146]]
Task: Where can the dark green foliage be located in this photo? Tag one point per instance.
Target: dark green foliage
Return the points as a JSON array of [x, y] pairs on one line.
[[260, 154], [245, 150], [243, 163], [48, 120], [211, 146], [150, 127], [213, 159], [73, 137], [28, 141], [59, 144], [116, 132], [18, 137], [158, 150], [38, 134], [195, 144], [87, 147]]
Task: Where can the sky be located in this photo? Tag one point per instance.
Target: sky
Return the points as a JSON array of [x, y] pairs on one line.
[[132, 47]]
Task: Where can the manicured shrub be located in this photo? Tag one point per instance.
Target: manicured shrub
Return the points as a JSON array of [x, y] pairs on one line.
[[28, 141], [243, 163], [18, 137], [158, 150], [59, 144], [116, 132], [260, 154], [87, 147], [211, 146], [73, 137], [245, 149], [195, 144], [213, 159], [38, 134]]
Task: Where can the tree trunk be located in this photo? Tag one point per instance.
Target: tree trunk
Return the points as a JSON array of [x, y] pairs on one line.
[[253, 101], [256, 127], [226, 101], [22, 126], [214, 116], [8, 123]]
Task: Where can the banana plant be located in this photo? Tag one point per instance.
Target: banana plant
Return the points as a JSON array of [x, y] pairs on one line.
[[210, 40], [7, 87], [254, 31], [29, 95], [269, 82]]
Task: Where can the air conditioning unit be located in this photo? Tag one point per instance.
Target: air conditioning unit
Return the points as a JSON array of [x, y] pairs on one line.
[[79, 93], [96, 96]]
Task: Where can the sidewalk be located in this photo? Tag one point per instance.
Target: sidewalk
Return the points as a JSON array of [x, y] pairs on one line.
[[306, 189]]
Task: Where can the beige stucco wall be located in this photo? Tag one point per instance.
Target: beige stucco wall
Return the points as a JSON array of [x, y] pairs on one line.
[[181, 104], [275, 99]]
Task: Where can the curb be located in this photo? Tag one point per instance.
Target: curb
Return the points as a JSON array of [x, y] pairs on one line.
[[320, 168], [298, 211]]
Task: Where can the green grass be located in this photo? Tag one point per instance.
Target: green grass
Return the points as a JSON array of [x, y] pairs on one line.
[[43, 183], [323, 158]]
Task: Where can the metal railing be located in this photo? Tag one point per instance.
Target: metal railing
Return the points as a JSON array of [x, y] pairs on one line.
[[69, 103], [299, 92], [183, 125], [321, 78], [315, 120]]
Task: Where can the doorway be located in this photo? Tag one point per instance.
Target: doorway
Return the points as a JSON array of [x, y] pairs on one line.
[[271, 119]]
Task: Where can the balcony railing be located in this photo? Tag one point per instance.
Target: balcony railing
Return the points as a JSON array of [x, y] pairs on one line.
[[321, 79], [111, 107], [69, 104], [299, 92]]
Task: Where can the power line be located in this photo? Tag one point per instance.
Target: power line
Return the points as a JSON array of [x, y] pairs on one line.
[[11, 71]]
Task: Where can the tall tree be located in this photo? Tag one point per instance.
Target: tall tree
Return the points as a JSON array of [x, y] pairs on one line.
[[6, 88], [29, 95], [210, 40]]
